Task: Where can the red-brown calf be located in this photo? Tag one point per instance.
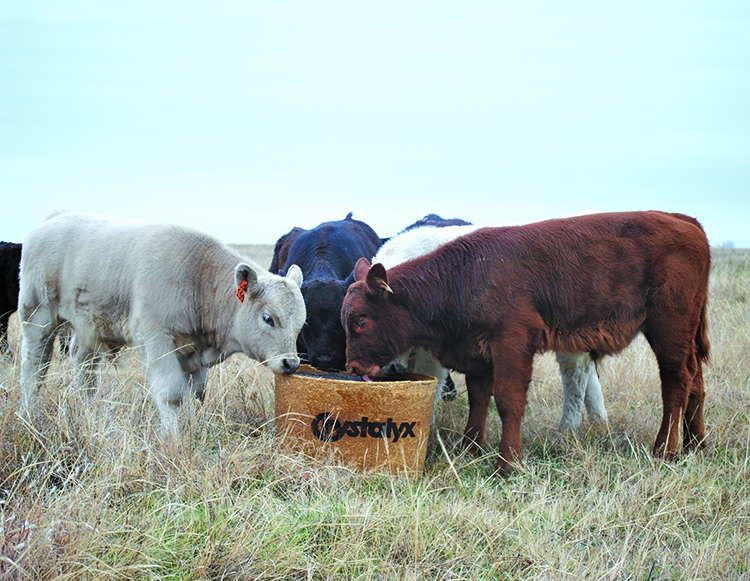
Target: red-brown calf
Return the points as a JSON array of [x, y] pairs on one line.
[[485, 303]]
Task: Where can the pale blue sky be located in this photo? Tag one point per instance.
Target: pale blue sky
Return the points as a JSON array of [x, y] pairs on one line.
[[248, 118]]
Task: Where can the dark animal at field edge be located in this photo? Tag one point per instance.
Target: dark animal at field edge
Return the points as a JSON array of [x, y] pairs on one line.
[[487, 302], [10, 259], [326, 255]]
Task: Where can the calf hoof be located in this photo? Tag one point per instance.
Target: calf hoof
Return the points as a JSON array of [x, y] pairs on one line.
[[469, 445], [696, 443], [450, 392], [503, 469], [660, 451], [507, 460]]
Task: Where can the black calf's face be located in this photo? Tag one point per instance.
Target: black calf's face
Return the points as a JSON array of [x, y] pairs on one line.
[[323, 334]]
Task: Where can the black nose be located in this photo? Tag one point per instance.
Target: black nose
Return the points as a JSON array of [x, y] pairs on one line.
[[289, 365], [321, 361]]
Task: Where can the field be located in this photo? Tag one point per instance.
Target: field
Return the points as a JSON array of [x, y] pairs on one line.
[[90, 491]]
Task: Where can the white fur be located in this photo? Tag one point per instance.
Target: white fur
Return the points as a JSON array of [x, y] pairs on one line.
[[418, 242], [580, 386], [579, 376], [408, 246], [168, 290]]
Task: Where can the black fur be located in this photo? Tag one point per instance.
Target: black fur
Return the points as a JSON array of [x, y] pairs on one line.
[[10, 259], [326, 255]]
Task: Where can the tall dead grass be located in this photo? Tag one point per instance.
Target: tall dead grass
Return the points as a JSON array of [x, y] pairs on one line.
[[90, 492]]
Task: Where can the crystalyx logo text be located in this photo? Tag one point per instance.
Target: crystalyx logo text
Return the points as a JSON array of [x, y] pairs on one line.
[[325, 427]]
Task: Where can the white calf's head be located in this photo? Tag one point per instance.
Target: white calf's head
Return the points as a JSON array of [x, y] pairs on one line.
[[271, 316]]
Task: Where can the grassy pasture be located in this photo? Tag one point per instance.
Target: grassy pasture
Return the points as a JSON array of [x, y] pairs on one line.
[[90, 492]]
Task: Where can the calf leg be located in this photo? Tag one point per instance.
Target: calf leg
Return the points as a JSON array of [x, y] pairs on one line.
[[86, 363], [675, 401], [167, 380], [676, 381], [513, 367], [673, 327], [573, 372], [4, 331], [479, 389], [580, 386], [424, 363], [694, 427], [594, 400], [66, 339], [38, 339], [197, 381]]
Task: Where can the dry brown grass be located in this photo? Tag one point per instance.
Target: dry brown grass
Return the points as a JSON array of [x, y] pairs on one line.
[[90, 492]]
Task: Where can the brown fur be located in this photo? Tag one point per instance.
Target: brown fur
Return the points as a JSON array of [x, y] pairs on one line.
[[281, 249], [485, 303]]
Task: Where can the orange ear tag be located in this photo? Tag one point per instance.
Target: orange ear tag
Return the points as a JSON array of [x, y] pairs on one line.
[[241, 291]]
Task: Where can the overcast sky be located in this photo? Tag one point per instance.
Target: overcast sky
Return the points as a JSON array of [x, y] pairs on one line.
[[247, 118]]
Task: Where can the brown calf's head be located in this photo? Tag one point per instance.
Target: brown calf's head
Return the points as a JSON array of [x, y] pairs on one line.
[[378, 326]]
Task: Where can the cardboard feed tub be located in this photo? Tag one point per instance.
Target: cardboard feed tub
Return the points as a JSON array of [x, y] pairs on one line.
[[379, 425]]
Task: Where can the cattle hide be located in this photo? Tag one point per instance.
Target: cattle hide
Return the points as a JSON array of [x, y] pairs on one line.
[[485, 303], [435, 221], [578, 371], [10, 259], [183, 299], [327, 255]]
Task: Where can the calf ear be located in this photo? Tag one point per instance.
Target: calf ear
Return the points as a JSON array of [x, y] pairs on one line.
[[295, 275], [349, 280], [244, 273], [361, 268], [377, 280]]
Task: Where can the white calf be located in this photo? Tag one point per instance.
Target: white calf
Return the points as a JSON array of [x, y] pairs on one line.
[[182, 298]]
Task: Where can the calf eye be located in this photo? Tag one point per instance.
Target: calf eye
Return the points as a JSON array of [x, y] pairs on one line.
[[361, 323], [268, 320]]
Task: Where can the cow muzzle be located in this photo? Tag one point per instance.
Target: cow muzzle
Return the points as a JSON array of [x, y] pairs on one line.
[[285, 365], [326, 362], [359, 369]]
